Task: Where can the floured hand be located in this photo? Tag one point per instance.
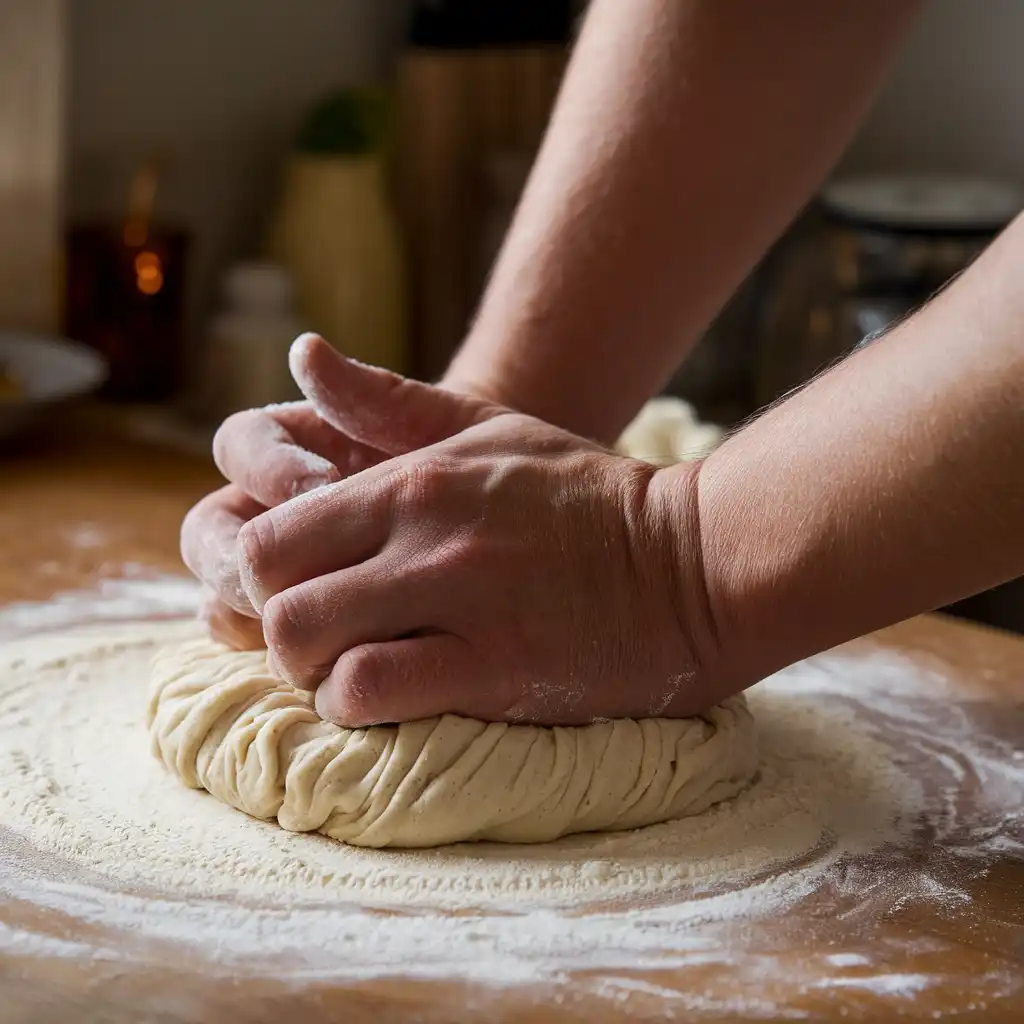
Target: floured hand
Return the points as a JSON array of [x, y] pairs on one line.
[[273, 454], [511, 572]]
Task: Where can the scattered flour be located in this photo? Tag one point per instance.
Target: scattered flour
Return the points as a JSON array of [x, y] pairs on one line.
[[93, 829], [135, 592], [78, 781]]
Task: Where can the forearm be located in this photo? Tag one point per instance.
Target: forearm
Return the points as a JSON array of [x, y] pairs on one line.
[[687, 135], [892, 485]]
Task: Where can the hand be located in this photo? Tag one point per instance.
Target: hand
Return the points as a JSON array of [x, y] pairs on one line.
[[513, 572], [273, 454]]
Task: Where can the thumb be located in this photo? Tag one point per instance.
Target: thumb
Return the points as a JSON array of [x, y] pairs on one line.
[[405, 680], [376, 407]]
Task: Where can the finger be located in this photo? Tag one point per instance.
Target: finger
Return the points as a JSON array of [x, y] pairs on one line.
[[333, 528], [309, 626], [316, 435], [226, 626], [209, 543], [257, 451], [403, 680], [375, 406]]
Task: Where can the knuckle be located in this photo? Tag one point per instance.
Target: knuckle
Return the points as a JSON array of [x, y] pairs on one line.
[[286, 618], [457, 551], [360, 683], [425, 481], [256, 541]]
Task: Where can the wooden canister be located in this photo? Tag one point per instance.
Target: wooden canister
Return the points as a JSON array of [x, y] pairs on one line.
[[469, 88]]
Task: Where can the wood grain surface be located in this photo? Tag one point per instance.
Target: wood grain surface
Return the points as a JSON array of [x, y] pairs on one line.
[[125, 501]]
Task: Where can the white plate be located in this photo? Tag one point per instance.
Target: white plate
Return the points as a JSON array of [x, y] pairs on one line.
[[48, 370]]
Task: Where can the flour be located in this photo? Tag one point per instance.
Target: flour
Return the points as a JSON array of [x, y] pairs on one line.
[[93, 797], [136, 592], [221, 721], [854, 768]]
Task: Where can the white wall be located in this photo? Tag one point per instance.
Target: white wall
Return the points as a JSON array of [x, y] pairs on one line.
[[956, 100], [220, 86]]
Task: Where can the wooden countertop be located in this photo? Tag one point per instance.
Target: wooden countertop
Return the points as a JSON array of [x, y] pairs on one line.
[[81, 506]]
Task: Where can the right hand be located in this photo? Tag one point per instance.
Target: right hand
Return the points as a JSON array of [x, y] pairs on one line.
[[274, 454]]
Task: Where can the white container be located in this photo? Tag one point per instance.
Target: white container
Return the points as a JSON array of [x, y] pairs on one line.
[[249, 340]]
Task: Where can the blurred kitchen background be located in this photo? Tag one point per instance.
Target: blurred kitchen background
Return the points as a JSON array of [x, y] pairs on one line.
[[187, 184]]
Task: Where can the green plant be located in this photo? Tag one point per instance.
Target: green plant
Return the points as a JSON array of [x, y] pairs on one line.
[[350, 122]]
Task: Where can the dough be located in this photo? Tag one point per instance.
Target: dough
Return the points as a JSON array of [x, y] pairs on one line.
[[222, 723], [667, 431], [97, 830]]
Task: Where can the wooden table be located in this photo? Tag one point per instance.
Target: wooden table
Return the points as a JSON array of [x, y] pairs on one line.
[[74, 510]]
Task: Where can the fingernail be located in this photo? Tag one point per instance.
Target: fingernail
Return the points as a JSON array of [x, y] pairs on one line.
[[310, 483], [250, 584], [303, 341], [298, 350], [324, 705]]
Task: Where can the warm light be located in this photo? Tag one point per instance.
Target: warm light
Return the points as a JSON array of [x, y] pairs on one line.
[[149, 275]]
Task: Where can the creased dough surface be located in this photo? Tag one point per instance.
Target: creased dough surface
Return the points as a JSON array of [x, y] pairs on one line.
[[221, 722]]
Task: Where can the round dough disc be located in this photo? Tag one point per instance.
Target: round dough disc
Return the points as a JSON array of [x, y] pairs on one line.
[[221, 722]]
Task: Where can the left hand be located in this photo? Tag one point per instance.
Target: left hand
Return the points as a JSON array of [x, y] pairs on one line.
[[273, 454], [512, 572]]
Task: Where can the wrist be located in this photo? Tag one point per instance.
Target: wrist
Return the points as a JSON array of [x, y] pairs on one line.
[[539, 372], [673, 505], [756, 580]]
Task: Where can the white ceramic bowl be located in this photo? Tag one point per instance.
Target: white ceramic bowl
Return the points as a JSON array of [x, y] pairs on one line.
[[48, 371]]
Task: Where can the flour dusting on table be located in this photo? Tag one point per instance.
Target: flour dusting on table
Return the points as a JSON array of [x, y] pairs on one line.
[[79, 780], [98, 831]]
